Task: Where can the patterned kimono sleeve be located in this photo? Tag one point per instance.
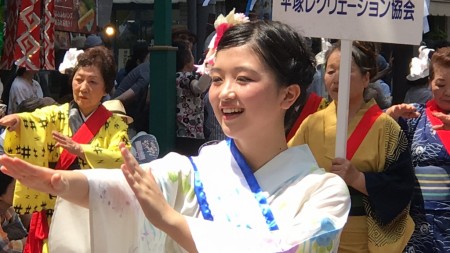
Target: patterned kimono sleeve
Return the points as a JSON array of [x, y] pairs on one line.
[[103, 151], [32, 141], [316, 227], [390, 191], [410, 125], [118, 223]]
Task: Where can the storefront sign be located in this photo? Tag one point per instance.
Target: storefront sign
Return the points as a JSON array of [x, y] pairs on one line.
[[75, 16]]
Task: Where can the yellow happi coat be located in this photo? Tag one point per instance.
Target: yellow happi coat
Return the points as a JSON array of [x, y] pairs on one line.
[[33, 142], [384, 157]]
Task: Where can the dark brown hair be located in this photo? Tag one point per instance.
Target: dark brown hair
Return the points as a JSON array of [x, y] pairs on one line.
[[442, 58], [102, 58]]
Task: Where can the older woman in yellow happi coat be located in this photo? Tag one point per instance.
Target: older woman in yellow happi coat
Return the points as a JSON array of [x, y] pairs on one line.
[[81, 134]]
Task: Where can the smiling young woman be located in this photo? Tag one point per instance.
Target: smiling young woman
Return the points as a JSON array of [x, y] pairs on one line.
[[251, 189]]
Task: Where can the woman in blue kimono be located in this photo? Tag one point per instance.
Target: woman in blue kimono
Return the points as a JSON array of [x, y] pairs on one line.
[[428, 131], [249, 193]]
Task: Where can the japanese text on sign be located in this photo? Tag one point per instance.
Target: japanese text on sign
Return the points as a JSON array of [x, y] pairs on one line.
[[394, 21]]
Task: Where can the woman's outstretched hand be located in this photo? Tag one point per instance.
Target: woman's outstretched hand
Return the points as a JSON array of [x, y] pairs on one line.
[[36, 177]]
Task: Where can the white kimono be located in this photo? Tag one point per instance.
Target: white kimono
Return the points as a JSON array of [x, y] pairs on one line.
[[288, 205]]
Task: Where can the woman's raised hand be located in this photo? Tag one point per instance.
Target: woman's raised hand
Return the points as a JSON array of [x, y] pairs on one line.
[[153, 203], [146, 189]]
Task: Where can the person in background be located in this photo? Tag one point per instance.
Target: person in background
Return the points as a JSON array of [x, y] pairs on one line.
[[190, 91], [31, 104], [180, 32], [249, 193], [428, 128], [419, 91], [140, 52], [318, 86], [81, 134], [377, 167], [93, 40], [12, 232], [378, 89], [133, 92], [23, 87]]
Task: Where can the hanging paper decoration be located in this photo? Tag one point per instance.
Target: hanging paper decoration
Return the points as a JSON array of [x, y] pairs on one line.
[[27, 52], [10, 34], [29, 36], [48, 35]]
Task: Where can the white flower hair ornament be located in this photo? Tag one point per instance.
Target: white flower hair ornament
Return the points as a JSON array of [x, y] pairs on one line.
[[221, 24], [70, 60], [419, 66]]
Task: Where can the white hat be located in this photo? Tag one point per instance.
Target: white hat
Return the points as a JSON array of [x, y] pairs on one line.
[[116, 107], [70, 60], [419, 66]]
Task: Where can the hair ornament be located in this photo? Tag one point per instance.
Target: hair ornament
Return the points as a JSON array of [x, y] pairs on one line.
[[221, 24]]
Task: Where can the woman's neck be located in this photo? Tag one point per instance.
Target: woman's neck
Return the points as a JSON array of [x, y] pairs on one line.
[[260, 149], [354, 106], [87, 111]]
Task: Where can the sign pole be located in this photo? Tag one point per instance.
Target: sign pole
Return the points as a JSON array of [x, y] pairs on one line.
[[343, 98]]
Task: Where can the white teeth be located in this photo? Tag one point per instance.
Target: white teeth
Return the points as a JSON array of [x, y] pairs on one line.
[[231, 110]]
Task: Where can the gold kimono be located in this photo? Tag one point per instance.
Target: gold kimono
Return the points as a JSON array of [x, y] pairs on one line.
[[379, 222]]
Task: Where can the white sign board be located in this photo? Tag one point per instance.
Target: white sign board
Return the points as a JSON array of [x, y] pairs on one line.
[[389, 21]]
